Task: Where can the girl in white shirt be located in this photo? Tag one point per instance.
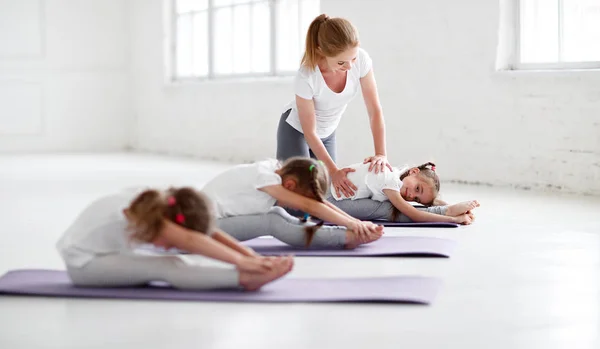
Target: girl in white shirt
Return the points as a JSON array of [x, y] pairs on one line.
[[245, 197], [98, 248], [419, 184], [334, 70]]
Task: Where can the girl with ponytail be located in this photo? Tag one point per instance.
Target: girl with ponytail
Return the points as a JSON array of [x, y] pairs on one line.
[[386, 196], [98, 247], [249, 201]]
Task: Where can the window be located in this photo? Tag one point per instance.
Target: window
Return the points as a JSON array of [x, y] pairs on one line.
[[558, 34], [226, 38]]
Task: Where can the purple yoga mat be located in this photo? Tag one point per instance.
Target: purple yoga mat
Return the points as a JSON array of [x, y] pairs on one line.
[[398, 289], [413, 224], [386, 246]]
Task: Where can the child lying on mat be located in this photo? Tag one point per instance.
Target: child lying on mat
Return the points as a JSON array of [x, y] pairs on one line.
[[246, 196], [386, 195], [98, 247]]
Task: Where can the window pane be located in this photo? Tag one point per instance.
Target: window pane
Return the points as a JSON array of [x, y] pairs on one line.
[[183, 6], [309, 10], [241, 1], [288, 36], [241, 39], [539, 31], [261, 38], [223, 41], [183, 61], [217, 3], [581, 30], [200, 45]]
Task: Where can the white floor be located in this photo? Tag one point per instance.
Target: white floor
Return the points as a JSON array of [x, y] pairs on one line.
[[525, 275]]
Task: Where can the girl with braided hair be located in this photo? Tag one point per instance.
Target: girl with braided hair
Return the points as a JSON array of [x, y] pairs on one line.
[[246, 198], [386, 196]]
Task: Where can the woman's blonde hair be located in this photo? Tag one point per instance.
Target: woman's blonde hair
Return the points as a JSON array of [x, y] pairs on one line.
[[328, 37]]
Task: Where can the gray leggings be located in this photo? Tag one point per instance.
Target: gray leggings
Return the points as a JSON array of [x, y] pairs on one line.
[[282, 226], [368, 209], [136, 270], [292, 143]]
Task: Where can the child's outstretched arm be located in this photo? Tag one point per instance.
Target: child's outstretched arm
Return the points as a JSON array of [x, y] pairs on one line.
[[317, 209], [198, 243], [415, 214], [232, 243]]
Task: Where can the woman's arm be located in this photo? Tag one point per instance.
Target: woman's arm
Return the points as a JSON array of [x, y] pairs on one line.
[[232, 243], [376, 120], [306, 113], [413, 213], [317, 209]]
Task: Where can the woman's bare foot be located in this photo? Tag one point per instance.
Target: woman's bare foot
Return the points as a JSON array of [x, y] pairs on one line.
[[461, 208], [354, 239], [254, 281]]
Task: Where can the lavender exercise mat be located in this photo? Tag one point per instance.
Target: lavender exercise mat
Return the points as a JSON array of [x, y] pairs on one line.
[[413, 224], [386, 246], [399, 289]]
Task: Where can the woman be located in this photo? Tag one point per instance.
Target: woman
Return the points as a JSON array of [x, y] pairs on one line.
[[333, 68]]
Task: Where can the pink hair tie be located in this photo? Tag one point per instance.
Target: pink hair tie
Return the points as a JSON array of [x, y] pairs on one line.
[[180, 218], [433, 168], [171, 201]]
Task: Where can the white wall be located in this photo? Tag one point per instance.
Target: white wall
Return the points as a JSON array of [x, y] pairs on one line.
[[434, 63], [65, 82]]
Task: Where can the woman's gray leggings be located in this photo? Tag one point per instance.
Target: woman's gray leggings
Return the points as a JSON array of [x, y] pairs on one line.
[[282, 226], [368, 209], [292, 143]]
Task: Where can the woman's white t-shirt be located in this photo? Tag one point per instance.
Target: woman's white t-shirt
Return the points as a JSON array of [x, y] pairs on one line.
[[101, 229], [371, 184], [235, 192], [329, 106]]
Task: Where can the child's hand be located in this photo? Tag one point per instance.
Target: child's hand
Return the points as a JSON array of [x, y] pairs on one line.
[[465, 218], [365, 228], [255, 264]]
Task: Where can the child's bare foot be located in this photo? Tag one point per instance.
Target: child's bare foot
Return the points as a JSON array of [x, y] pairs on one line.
[[353, 239], [254, 281], [461, 208]]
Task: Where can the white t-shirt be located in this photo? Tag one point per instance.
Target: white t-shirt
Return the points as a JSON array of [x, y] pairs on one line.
[[371, 184], [100, 229], [329, 106], [235, 192]]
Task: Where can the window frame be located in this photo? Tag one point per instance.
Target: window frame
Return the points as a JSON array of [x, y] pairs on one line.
[[518, 65], [212, 76]]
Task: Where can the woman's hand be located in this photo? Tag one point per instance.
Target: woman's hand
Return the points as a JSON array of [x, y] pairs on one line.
[[341, 183], [378, 162]]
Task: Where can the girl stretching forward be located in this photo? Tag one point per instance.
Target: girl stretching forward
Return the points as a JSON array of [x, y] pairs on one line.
[[418, 184], [98, 247], [245, 196]]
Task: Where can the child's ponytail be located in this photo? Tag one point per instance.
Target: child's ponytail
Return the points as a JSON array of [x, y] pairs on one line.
[[183, 206], [312, 178]]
